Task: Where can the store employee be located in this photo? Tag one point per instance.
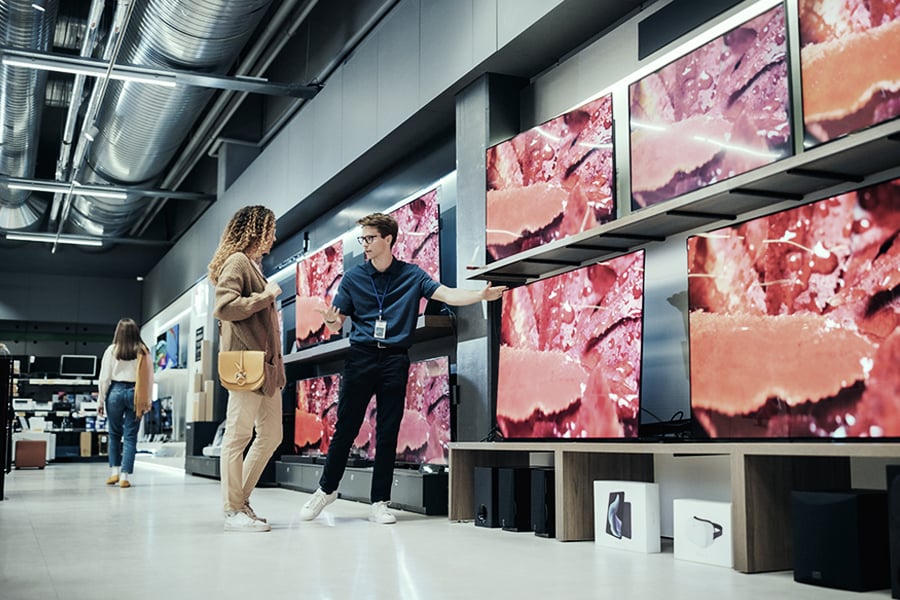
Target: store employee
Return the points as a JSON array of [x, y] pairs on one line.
[[381, 297]]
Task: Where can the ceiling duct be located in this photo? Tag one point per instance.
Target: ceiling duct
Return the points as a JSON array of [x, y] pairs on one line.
[[21, 104], [141, 126]]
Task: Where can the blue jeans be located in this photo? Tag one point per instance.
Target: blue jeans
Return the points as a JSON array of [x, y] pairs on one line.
[[122, 425]]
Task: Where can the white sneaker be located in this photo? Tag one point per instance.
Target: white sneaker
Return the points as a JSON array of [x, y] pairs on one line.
[[240, 521], [381, 514], [318, 501]]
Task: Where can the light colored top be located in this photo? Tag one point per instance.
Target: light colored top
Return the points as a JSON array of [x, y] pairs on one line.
[[113, 369]]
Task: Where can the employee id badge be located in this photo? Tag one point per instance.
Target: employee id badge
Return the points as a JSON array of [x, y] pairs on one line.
[[380, 329]]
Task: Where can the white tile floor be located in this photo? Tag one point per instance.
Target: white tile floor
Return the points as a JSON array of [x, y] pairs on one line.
[[65, 535]]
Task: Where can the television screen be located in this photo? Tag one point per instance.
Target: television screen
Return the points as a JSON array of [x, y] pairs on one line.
[[315, 414], [77, 365], [849, 66], [166, 351], [552, 181], [719, 111], [318, 276], [425, 429], [795, 321], [418, 241], [570, 353]]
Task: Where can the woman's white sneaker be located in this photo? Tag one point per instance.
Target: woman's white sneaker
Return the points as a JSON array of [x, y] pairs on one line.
[[240, 521], [381, 514]]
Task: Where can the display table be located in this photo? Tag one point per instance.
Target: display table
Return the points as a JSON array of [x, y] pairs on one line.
[[762, 477]]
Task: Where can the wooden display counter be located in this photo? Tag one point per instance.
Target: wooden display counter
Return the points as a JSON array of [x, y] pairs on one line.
[[762, 477]]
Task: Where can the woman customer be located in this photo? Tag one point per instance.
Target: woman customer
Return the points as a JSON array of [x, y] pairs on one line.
[[126, 378], [248, 320]]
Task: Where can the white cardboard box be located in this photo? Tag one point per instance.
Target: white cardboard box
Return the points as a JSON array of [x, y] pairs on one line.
[[703, 531], [626, 515]]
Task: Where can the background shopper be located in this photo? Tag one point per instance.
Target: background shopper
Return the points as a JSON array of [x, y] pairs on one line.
[[382, 299], [126, 381], [245, 307]]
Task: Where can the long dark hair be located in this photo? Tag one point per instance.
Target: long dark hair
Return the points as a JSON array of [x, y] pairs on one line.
[[127, 340]]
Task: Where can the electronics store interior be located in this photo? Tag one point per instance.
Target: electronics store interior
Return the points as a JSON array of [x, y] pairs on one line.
[[690, 379]]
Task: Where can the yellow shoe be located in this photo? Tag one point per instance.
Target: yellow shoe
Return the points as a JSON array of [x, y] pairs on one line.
[[113, 480], [125, 484]]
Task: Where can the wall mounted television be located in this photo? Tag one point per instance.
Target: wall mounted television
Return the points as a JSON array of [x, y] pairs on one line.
[[425, 431], [166, 352], [570, 354], [418, 240], [794, 321], [318, 276], [714, 113], [552, 181], [315, 414], [849, 66], [77, 365]]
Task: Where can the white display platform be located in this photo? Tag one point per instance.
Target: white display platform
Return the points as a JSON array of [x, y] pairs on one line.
[[626, 515], [703, 531]]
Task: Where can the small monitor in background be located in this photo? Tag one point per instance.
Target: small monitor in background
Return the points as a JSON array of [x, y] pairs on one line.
[[77, 365]]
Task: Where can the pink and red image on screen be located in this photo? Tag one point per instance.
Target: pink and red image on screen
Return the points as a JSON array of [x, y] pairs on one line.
[[315, 414], [418, 240], [425, 429], [719, 111], [570, 353], [551, 182], [318, 276], [849, 65], [795, 321]]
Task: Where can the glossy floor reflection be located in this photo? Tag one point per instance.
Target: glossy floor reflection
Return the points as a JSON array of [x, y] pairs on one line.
[[65, 535]]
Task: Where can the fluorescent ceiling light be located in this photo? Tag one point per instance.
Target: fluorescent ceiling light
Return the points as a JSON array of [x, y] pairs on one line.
[[52, 239], [63, 188], [51, 65]]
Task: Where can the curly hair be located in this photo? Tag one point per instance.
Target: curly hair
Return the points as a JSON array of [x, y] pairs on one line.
[[385, 224], [127, 340], [246, 228]]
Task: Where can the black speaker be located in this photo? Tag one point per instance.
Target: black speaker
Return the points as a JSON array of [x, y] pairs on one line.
[[486, 497], [893, 493], [543, 503], [514, 498], [840, 539]]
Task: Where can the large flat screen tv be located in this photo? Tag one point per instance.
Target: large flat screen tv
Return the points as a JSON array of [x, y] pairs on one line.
[[318, 276], [570, 354], [849, 66], [552, 181], [425, 431], [315, 414], [719, 111], [795, 321], [418, 240]]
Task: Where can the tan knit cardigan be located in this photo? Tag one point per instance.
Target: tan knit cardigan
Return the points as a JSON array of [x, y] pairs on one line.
[[248, 316]]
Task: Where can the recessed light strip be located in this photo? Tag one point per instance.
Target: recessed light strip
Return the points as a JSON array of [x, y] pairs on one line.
[[62, 188], [52, 239], [51, 65]]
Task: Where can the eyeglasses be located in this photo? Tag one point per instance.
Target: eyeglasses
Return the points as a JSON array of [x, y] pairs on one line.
[[367, 239]]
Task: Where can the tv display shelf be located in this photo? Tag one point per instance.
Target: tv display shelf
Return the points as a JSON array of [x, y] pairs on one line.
[[428, 327], [831, 168], [763, 474]]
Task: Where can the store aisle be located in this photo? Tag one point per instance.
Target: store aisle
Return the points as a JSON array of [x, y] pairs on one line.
[[65, 535]]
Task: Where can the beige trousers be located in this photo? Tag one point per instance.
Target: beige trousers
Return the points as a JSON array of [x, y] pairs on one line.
[[246, 411]]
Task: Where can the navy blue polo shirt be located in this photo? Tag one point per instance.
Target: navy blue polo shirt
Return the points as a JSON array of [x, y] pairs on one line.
[[402, 285]]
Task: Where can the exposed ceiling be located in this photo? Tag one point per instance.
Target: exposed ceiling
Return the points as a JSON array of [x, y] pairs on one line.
[[75, 138]]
